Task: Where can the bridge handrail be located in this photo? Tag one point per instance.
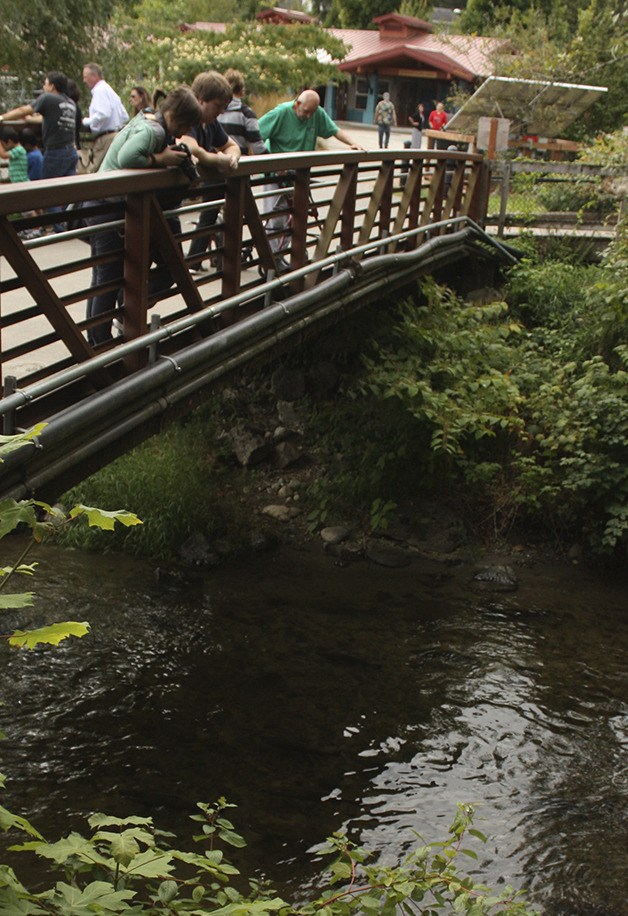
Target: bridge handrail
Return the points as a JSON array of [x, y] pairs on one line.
[[153, 337], [49, 192], [365, 203]]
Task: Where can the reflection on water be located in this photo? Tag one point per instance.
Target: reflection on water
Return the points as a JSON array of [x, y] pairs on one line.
[[317, 697]]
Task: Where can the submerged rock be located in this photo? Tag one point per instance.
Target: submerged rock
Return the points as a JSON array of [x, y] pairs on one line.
[[197, 552], [497, 579], [393, 557], [334, 534]]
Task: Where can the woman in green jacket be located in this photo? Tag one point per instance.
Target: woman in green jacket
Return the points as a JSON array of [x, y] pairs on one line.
[[141, 144]]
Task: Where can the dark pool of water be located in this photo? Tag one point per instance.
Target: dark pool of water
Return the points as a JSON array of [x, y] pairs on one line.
[[317, 697]]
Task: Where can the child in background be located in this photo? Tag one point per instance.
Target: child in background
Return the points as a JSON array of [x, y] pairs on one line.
[[34, 156], [11, 149]]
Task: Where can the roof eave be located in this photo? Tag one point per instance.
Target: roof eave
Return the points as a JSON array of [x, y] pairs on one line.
[[437, 62]]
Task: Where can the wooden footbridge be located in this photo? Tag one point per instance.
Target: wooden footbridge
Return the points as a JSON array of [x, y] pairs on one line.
[[361, 224]]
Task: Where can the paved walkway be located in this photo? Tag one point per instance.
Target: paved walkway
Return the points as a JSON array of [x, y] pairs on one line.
[[366, 135]]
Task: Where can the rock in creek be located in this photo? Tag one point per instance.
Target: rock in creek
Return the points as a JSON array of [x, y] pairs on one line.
[[334, 534], [497, 579], [286, 453], [281, 513], [393, 557], [197, 552], [288, 415], [249, 445]]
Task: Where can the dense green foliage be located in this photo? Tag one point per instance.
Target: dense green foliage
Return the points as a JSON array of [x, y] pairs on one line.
[[126, 865], [181, 484], [39, 36], [516, 409], [482, 16], [281, 59], [583, 42], [44, 522], [357, 14]]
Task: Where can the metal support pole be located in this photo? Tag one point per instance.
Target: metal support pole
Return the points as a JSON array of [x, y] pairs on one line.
[[503, 205], [8, 423], [155, 324]]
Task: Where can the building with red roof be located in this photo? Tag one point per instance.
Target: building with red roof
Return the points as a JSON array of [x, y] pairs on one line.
[[403, 56], [407, 59]]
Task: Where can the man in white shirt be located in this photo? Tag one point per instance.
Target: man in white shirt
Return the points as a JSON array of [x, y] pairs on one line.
[[107, 115]]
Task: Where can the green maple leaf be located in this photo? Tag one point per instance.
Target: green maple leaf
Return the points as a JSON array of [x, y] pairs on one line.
[[13, 513], [24, 569], [151, 864], [8, 821], [22, 599], [11, 443], [101, 518], [51, 635], [72, 845], [97, 897]]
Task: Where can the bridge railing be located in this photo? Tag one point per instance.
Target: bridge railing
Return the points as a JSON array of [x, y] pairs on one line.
[[336, 203], [571, 197]]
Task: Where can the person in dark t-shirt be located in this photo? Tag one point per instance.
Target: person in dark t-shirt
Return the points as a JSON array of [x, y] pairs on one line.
[[213, 149], [57, 113]]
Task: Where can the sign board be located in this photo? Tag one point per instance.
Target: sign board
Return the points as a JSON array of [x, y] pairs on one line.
[[500, 134]]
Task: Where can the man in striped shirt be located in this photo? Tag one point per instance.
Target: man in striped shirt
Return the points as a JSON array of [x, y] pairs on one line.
[[240, 121]]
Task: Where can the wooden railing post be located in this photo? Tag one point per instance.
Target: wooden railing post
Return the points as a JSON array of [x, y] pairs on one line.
[[136, 269], [385, 209], [506, 171], [235, 196], [300, 214], [347, 223], [379, 203]]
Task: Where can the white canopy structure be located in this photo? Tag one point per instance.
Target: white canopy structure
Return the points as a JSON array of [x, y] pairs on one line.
[[531, 106]]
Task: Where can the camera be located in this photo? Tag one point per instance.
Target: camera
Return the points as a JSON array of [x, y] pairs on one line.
[[186, 165]]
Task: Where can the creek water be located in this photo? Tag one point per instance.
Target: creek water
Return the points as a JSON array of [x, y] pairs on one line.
[[317, 697]]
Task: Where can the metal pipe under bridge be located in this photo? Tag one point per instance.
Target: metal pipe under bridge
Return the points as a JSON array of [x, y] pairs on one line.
[[359, 224]]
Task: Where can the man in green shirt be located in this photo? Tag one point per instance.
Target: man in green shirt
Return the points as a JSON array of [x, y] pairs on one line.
[[294, 127]]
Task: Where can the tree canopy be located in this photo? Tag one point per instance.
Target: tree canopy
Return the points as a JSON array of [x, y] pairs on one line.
[[358, 14], [38, 35], [594, 53], [273, 58], [483, 16], [583, 41]]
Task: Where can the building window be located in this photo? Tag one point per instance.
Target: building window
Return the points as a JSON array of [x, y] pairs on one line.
[[361, 93]]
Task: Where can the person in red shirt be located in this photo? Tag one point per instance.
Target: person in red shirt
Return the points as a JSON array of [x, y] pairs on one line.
[[438, 118]]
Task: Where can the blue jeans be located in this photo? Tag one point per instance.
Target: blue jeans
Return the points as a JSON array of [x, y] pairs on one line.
[[102, 243], [384, 135], [59, 163]]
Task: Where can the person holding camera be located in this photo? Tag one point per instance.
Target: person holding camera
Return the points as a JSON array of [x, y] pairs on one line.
[[141, 144], [213, 149]]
